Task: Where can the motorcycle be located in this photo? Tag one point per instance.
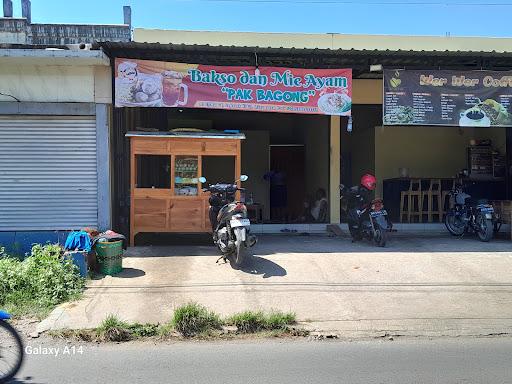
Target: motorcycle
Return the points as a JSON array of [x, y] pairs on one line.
[[369, 221], [229, 221], [11, 349], [464, 215]]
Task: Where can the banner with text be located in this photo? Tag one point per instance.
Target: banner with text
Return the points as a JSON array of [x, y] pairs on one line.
[[143, 83], [465, 99]]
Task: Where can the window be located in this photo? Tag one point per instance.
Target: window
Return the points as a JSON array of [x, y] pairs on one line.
[[185, 175], [153, 171]]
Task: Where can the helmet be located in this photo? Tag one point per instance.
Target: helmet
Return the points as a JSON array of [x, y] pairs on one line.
[[369, 181]]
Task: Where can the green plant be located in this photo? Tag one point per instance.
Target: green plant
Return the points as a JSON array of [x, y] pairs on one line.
[[165, 330], [248, 321], [276, 320], [138, 330], [39, 282], [192, 318], [256, 321], [113, 329]]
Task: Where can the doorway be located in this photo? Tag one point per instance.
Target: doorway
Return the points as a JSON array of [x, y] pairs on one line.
[[287, 182]]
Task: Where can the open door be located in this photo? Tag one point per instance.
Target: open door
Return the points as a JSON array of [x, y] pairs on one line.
[[287, 182]]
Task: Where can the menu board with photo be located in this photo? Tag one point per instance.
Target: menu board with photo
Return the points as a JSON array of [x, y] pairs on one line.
[[451, 98]]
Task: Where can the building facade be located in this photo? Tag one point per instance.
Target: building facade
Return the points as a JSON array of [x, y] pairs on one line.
[[54, 144], [22, 30], [331, 152]]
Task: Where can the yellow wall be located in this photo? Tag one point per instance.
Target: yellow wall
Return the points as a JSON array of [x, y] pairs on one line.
[[324, 41], [427, 151], [366, 91], [56, 83]]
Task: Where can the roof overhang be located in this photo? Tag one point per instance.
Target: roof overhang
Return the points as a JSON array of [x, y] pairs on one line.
[[358, 60], [53, 56]]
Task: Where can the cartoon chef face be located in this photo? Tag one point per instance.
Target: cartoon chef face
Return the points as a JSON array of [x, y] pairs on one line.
[[127, 70]]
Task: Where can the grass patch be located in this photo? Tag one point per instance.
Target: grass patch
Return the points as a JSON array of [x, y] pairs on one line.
[[165, 331], [257, 321], [35, 285], [113, 329], [248, 321], [192, 318], [138, 330]]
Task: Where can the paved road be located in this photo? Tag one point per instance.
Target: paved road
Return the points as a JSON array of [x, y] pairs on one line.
[[401, 361]]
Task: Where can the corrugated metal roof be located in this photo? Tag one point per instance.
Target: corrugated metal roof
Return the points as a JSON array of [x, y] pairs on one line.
[[358, 60], [109, 46]]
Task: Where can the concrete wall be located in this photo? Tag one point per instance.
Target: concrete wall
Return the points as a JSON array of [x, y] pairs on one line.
[[56, 83], [20, 31], [324, 41], [13, 31], [427, 151]]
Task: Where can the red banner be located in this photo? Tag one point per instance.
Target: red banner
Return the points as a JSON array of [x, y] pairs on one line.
[[143, 83]]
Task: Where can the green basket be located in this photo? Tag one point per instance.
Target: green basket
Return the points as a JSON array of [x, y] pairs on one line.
[[110, 257]]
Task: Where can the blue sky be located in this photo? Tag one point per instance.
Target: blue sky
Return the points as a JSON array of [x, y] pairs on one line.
[[457, 17]]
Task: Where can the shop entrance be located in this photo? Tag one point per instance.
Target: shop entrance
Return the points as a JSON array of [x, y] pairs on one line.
[[298, 143], [287, 183]]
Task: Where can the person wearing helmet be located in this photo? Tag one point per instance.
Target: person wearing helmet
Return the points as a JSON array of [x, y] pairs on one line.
[[366, 187], [356, 198], [369, 182]]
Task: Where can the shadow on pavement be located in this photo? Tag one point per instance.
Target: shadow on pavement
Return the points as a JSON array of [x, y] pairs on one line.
[[129, 273], [261, 266]]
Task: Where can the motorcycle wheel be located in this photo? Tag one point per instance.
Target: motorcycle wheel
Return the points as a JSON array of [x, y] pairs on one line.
[[239, 254], [11, 352], [485, 228], [354, 232], [454, 225], [381, 236]]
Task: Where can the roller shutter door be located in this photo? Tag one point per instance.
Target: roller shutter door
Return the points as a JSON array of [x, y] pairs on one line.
[[48, 177]]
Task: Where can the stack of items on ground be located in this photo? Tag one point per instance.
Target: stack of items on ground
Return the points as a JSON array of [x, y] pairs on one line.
[[95, 251]]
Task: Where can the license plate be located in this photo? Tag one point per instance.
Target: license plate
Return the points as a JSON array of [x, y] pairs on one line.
[[487, 209], [240, 223], [488, 216], [379, 213]]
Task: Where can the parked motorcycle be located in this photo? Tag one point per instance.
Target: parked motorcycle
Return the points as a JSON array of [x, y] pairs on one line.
[[466, 215], [11, 349], [365, 220], [230, 223]]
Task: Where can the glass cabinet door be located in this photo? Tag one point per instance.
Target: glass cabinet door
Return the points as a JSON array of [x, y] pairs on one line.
[[186, 175]]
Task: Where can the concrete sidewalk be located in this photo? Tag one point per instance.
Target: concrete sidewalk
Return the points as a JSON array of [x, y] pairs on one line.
[[435, 285]]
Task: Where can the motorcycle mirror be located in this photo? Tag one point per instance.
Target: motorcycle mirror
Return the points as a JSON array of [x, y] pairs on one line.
[[244, 178], [202, 180]]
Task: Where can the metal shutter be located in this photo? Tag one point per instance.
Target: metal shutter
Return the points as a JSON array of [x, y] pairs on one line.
[[48, 178]]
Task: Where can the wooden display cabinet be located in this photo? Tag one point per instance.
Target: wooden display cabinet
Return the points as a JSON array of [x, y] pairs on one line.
[[173, 201]]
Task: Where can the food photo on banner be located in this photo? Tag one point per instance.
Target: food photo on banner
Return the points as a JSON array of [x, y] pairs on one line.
[[144, 83], [448, 98]]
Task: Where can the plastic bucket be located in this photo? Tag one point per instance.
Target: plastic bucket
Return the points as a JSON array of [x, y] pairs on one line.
[[79, 259], [109, 257]]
